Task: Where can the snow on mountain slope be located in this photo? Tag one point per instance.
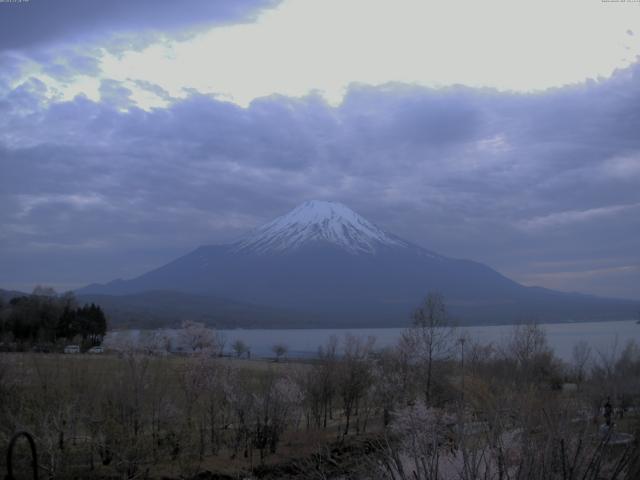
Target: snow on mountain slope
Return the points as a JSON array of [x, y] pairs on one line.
[[318, 221]]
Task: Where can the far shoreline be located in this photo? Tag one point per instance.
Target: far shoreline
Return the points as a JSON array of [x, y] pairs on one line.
[[363, 327]]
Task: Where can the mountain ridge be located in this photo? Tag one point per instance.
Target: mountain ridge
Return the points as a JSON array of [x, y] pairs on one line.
[[328, 262]]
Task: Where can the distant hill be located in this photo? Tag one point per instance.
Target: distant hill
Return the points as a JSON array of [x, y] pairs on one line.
[[155, 309], [335, 268], [7, 295]]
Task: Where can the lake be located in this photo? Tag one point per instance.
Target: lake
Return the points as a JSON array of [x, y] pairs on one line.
[[601, 336]]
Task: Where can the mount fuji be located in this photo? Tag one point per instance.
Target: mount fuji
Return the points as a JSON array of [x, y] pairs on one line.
[[322, 264], [319, 222]]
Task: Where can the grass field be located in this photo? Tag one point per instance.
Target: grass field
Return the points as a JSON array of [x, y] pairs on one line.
[[360, 414], [150, 400]]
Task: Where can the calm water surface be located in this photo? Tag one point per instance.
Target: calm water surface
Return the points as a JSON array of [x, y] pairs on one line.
[[602, 336]]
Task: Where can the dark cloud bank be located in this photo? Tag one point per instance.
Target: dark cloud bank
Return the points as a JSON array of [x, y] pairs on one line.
[[35, 23], [544, 187]]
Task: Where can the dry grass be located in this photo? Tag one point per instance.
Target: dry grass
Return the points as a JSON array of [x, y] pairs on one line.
[[82, 381]]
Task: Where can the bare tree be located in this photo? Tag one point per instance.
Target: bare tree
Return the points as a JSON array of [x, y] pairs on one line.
[[581, 355], [318, 385], [533, 358], [280, 350], [216, 403], [527, 341], [413, 447], [354, 374], [275, 399], [391, 381], [430, 337], [197, 337], [240, 348]]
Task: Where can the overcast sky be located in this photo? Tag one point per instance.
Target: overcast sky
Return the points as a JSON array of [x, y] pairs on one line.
[[506, 132]]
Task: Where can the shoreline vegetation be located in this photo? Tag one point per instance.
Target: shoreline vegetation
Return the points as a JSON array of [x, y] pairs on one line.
[[435, 405], [45, 321]]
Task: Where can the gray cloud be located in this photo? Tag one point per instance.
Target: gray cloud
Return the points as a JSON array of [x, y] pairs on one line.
[[542, 186], [114, 94], [74, 64]]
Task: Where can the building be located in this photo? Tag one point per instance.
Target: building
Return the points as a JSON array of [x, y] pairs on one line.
[[72, 349]]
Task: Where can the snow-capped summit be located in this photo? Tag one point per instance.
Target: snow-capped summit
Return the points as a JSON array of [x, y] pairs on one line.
[[318, 221]]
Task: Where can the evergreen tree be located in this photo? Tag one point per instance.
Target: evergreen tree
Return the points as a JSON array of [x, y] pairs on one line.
[[45, 317]]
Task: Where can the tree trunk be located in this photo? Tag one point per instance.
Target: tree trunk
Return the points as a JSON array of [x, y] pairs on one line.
[[428, 392]]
